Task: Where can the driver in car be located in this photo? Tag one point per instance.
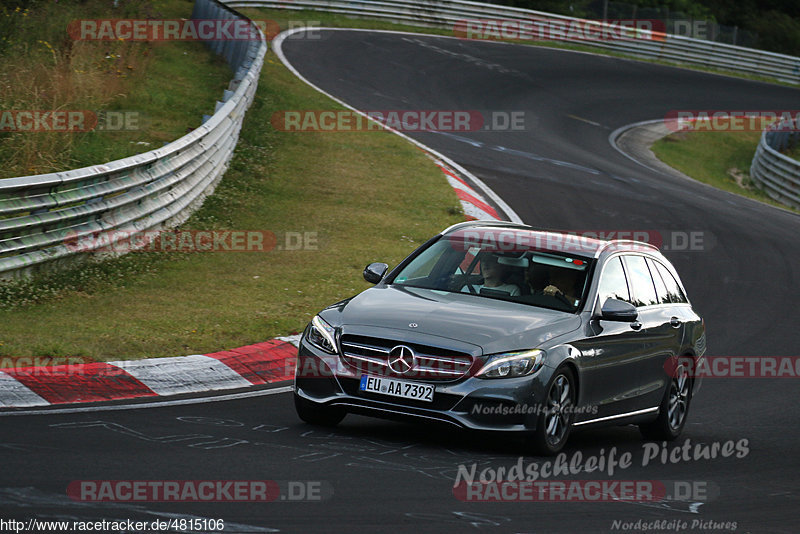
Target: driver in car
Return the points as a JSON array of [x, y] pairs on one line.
[[560, 283], [495, 275]]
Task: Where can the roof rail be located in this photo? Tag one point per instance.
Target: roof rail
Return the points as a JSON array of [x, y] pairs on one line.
[[610, 242], [479, 222]]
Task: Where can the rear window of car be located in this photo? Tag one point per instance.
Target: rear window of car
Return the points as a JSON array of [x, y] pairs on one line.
[[661, 289], [674, 294]]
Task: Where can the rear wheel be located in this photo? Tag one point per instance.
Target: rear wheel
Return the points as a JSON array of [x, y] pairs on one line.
[[317, 414], [674, 409], [555, 422]]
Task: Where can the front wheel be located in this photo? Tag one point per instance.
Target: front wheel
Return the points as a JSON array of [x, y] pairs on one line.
[[317, 414], [674, 409], [555, 422]]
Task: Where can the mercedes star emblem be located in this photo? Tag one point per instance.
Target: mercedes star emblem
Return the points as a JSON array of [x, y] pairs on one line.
[[401, 359]]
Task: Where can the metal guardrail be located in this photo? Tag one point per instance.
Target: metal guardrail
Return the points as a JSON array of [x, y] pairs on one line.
[[43, 216], [447, 13], [777, 174]]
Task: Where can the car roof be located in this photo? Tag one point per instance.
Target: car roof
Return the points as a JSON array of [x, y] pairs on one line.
[[488, 232]]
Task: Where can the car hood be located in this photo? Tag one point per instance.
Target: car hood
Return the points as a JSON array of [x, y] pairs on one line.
[[493, 325]]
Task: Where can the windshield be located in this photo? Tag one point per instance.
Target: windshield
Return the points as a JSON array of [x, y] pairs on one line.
[[539, 278]]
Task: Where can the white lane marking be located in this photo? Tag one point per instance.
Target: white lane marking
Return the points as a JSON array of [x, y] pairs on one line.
[[156, 404], [473, 142], [14, 393], [536, 157], [277, 44], [183, 374]]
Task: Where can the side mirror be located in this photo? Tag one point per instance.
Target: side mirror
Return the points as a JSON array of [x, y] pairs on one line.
[[618, 310], [374, 272]]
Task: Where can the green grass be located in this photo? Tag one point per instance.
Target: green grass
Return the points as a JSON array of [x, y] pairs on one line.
[[166, 86], [369, 196], [720, 159], [183, 82], [794, 152]]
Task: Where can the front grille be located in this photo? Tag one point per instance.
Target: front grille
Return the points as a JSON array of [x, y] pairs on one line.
[[372, 355]]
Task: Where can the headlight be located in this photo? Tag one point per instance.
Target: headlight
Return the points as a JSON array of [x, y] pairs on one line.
[[322, 335], [512, 364]]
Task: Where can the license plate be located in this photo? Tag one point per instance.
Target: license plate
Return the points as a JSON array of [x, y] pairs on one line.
[[396, 388]]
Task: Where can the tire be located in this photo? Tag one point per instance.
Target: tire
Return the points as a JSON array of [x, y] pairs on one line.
[[554, 424], [674, 409], [317, 414]]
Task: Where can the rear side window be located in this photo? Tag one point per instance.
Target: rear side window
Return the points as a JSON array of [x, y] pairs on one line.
[[674, 294], [644, 292], [661, 289], [613, 284]]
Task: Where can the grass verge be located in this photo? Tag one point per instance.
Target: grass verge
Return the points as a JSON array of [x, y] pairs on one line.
[[794, 152], [720, 159], [367, 196], [332, 185], [151, 93]]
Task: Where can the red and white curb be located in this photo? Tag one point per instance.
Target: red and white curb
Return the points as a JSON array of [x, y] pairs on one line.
[[474, 205], [259, 364], [262, 363]]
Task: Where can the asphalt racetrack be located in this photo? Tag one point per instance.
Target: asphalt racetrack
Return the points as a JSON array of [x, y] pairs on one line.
[[559, 172]]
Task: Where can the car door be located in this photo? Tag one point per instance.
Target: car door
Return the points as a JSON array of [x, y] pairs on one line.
[[661, 330], [664, 331], [610, 352]]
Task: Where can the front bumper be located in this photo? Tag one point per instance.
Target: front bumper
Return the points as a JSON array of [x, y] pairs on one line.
[[507, 405]]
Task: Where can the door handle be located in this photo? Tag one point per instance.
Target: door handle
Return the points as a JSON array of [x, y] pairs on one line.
[[636, 325], [675, 322]]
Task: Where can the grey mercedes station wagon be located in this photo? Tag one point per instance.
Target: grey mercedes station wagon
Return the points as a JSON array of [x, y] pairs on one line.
[[501, 327]]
